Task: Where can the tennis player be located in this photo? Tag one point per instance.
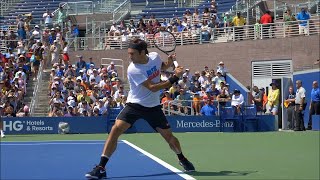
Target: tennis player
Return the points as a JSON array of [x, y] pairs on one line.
[[143, 102]]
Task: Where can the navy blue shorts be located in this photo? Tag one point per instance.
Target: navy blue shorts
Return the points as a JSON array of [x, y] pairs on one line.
[[154, 115]]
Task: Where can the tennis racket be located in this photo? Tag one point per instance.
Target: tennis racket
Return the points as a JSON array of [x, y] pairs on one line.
[[165, 42]]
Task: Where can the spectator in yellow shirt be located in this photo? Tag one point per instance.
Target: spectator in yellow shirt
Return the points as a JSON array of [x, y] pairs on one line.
[[273, 99], [238, 21]]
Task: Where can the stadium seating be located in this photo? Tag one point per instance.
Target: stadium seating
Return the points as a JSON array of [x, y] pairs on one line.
[[36, 8], [171, 9]]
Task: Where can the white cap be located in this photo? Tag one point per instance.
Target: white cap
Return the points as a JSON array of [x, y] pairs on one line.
[[112, 62], [221, 62], [36, 26], [81, 70], [79, 78]]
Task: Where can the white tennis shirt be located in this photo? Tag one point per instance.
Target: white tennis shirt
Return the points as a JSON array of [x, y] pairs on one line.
[[137, 74]]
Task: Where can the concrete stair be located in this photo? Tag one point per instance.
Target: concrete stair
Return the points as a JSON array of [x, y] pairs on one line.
[[42, 107], [29, 94]]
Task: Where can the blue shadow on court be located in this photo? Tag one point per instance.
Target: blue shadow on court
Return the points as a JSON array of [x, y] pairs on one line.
[[72, 159]]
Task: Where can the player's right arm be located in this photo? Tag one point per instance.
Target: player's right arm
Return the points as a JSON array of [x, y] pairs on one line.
[[154, 87]]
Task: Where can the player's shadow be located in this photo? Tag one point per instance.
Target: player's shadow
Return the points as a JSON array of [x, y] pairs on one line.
[[144, 176], [221, 173], [197, 173]]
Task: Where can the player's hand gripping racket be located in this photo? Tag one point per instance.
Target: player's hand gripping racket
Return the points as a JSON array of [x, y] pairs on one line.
[[165, 42]]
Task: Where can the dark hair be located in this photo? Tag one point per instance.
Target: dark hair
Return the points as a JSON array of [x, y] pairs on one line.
[[139, 45]]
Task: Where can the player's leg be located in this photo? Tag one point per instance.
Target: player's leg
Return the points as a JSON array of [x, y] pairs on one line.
[[158, 121], [124, 121], [175, 146], [110, 146]]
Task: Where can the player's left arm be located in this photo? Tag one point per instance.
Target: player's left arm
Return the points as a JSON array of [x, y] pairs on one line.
[[169, 63]]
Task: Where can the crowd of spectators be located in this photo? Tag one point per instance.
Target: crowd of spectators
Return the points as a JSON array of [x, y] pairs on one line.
[[201, 93], [14, 76], [83, 89], [190, 26]]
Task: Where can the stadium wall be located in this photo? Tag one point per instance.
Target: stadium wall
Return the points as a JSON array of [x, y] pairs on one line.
[[91, 125], [237, 56]]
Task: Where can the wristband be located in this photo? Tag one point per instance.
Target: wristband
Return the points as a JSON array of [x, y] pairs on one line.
[[174, 79]]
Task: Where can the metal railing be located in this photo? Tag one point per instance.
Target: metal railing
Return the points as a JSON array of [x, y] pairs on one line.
[[121, 11], [78, 8], [210, 35], [35, 98], [188, 107], [5, 5], [118, 63]]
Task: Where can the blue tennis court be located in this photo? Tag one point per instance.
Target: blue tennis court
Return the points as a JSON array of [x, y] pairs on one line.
[[72, 159]]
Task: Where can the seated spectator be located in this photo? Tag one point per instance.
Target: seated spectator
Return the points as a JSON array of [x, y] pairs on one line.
[[222, 69], [195, 87], [183, 99], [218, 79], [223, 98], [237, 101], [196, 103], [184, 82], [165, 101], [208, 109]]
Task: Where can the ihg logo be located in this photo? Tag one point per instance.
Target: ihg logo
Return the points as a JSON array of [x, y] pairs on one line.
[[12, 126]]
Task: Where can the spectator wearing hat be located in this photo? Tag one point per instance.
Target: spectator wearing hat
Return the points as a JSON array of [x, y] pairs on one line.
[[237, 101], [184, 82], [222, 68], [52, 36], [102, 109], [70, 112], [273, 99], [208, 109], [83, 75], [70, 71], [90, 70], [111, 68], [120, 93], [36, 33], [69, 83], [78, 86]]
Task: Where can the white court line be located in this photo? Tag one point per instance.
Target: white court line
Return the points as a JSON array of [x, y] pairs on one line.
[[158, 160]]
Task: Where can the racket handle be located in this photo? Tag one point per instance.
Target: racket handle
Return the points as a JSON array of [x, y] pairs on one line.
[[175, 63]]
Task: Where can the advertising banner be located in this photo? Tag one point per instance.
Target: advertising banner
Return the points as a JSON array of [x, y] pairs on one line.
[[49, 125]]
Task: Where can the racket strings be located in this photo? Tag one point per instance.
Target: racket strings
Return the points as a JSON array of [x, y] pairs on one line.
[[165, 41]]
